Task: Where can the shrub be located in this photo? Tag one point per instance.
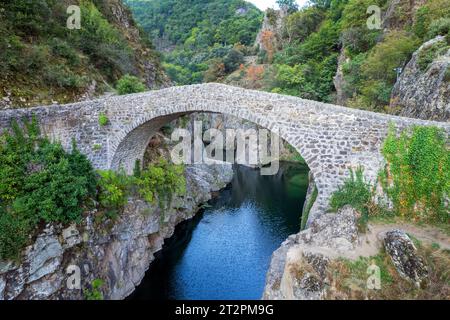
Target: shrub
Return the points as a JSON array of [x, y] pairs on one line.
[[427, 55], [309, 206], [160, 181], [393, 52], [301, 24], [102, 119], [113, 190], [417, 175], [232, 60], [129, 84], [14, 235], [355, 192], [95, 292], [39, 182], [428, 15], [439, 27]]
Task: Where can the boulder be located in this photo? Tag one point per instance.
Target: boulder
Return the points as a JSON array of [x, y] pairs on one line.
[[337, 231], [311, 281], [404, 256]]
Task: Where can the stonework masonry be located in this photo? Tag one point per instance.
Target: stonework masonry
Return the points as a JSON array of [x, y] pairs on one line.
[[332, 139]]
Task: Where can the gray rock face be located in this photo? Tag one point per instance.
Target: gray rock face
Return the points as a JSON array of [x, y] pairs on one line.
[[311, 285], [336, 231], [424, 94], [119, 253], [339, 80], [309, 197], [273, 25], [403, 254], [298, 268]]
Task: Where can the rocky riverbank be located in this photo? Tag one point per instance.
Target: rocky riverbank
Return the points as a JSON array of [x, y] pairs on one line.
[[332, 260], [113, 253]]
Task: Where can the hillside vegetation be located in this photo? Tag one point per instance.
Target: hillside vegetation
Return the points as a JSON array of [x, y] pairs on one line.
[[203, 39], [44, 61], [324, 51], [317, 39]]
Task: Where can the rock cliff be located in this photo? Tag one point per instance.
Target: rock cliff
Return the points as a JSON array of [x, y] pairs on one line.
[[118, 253], [423, 89]]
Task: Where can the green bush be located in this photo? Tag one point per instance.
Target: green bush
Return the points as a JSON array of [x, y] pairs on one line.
[[232, 60], [14, 234], [129, 84], [308, 208], [439, 27], [95, 292], [103, 119], [114, 188], [417, 175], [427, 55], [39, 182], [427, 17], [160, 181], [355, 192], [393, 52]]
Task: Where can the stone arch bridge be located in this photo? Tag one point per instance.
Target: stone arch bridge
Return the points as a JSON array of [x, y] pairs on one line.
[[330, 138]]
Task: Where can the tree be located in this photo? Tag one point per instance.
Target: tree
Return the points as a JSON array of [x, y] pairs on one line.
[[288, 5], [232, 60], [301, 24], [129, 84]]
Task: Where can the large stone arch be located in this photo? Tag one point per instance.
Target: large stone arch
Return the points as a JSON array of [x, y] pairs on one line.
[[331, 138]]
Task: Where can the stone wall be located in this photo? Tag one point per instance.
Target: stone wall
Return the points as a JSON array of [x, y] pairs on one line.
[[330, 138]]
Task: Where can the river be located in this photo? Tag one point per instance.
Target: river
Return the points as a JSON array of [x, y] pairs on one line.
[[225, 251]]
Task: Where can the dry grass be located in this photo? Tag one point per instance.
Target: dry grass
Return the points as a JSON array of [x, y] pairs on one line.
[[350, 277]]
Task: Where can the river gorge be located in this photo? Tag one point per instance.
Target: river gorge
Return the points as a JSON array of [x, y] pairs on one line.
[[224, 252]]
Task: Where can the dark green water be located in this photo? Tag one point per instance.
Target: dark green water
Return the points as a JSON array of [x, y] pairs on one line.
[[224, 252]]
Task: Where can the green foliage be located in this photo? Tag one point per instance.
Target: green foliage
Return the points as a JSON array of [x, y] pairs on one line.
[[39, 182], [372, 76], [393, 52], [417, 176], [439, 27], [233, 60], [428, 54], [129, 84], [355, 12], [309, 206], [32, 33], [114, 188], [14, 235], [95, 292], [301, 24], [103, 119], [355, 192], [202, 33], [137, 171], [288, 5], [428, 18], [312, 80], [160, 181]]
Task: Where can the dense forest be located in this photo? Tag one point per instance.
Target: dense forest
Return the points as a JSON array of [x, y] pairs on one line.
[[201, 38], [42, 60], [300, 49], [314, 38]]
